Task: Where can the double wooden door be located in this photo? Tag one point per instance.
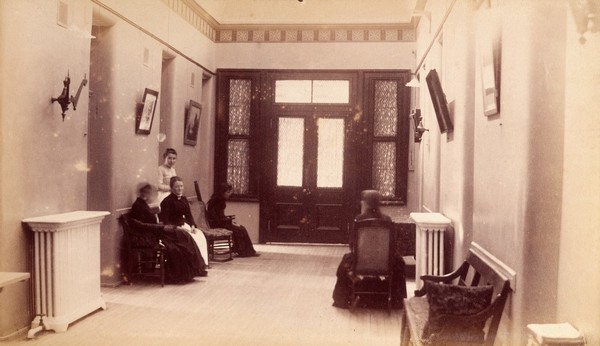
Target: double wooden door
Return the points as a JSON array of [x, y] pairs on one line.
[[308, 184]]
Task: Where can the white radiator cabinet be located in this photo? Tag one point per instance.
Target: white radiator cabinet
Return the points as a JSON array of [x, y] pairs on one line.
[[429, 251], [66, 270]]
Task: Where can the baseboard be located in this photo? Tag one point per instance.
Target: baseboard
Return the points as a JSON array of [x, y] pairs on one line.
[[15, 334], [112, 285], [305, 244]]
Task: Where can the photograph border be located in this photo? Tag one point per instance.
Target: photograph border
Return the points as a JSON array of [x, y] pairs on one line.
[[192, 129], [146, 107]]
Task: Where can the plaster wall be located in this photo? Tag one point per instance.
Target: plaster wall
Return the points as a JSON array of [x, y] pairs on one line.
[[500, 177], [91, 160], [579, 254], [43, 160], [121, 75]]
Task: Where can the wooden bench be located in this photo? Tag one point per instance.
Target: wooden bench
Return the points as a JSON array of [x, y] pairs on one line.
[[474, 272]]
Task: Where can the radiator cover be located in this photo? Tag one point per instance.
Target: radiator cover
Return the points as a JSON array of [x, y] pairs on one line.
[[66, 268]]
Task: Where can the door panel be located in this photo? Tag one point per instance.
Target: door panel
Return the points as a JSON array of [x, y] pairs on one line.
[[290, 151], [309, 196], [330, 152]]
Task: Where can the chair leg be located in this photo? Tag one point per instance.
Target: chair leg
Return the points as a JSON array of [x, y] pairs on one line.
[[162, 269], [404, 332], [354, 298], [211, 249], [230, 244], [390, 290]]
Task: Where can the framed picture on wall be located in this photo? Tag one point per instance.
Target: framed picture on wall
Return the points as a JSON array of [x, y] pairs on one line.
[[489, 69], [145, 116], [192, 123]]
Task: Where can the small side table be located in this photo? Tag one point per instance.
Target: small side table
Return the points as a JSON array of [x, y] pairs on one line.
[[554, 334], [9, 278]]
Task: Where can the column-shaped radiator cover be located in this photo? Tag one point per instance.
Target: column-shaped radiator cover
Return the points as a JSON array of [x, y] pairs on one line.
[[430, 244], [66, 269]]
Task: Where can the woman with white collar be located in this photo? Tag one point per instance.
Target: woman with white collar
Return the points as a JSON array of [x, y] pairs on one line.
[[175, 210]]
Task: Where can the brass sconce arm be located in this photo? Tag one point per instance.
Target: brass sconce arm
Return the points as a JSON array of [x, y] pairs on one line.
[[64, 99]]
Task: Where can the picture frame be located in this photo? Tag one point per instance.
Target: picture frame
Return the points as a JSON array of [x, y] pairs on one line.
[[489, 70], [192, 123], [145, 114], [438, 99]]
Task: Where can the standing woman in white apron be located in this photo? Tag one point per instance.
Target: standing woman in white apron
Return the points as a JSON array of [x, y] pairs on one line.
[[165, 173]]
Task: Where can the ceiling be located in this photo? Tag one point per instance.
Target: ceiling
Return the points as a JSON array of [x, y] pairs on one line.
[[320, 12]]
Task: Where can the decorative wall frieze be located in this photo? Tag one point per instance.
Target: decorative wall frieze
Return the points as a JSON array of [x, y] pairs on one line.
[[194, 14]]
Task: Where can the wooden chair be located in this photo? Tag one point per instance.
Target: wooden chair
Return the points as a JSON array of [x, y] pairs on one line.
[[371, 259], [220, 240], [144, 251]]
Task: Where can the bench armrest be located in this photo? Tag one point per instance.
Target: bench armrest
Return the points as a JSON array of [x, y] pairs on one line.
[[442, 278]]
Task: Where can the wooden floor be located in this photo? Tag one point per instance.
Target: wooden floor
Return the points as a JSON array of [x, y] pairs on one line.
[[282, 297]]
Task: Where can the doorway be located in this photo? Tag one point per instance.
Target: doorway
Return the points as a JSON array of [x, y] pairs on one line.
[[302, 144], [308, 182]]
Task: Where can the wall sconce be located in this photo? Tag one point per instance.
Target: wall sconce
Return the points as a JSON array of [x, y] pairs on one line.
[[418, 124], [585, 13], [64, 100]]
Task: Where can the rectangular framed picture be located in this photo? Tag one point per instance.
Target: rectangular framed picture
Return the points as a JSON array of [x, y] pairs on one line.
[[192, 123], [489, 70], [144, 119]]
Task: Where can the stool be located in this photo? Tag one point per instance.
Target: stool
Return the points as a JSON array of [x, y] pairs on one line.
[[553, 334], [220, 243]]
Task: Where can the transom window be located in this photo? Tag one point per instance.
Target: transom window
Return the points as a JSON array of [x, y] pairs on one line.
[[312, 91]]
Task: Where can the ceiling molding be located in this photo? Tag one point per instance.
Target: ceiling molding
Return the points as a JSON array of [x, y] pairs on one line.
[[199, 18]]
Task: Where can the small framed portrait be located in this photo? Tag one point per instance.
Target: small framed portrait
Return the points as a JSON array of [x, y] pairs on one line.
[[145, 116], [192, 123]]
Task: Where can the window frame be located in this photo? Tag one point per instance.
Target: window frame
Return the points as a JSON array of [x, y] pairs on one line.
[[222, 135], [401, 139], [364, 94]]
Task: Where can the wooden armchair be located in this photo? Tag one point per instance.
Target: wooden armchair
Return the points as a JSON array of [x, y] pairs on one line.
[[144, 252], [371, 258]]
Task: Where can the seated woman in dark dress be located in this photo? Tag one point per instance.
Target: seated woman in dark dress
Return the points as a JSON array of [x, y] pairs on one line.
[[184, 261], [343, 287], [242, 244], [175, 210]]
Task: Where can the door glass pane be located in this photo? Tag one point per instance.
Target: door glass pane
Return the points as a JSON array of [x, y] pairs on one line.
[[384, 168], [330, 153], [290, 152], [240, 94], [386, 108], [331, 91], [238, 165], [293, 91]]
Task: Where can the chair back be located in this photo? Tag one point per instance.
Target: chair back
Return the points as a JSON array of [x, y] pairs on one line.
[[202, 221], [198, 193], [124, 220], [133, 237], [372, 247]]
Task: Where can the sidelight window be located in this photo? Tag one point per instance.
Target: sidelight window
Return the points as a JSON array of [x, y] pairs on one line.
[[389, 138]]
